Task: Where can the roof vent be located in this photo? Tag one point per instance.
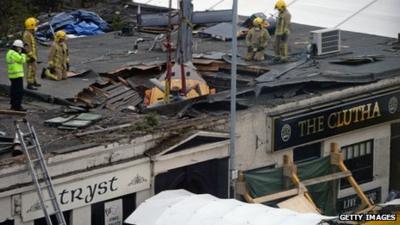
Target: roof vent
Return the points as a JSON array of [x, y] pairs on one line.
[[326, 40]]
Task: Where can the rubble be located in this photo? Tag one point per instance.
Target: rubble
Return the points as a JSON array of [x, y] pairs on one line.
[[358, 60], [111, 74], [223, 31], [111, 95]]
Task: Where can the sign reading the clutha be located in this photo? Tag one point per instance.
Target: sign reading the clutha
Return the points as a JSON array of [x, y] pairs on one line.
[[325, 122], [89, 190]]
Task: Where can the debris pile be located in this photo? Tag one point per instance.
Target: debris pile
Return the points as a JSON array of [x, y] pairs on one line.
[[73, 122], [110, 94]]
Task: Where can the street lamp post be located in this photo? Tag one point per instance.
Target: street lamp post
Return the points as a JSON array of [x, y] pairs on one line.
[[232, 132]]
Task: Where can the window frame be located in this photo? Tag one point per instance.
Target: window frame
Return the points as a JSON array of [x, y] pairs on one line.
[[354, 155]]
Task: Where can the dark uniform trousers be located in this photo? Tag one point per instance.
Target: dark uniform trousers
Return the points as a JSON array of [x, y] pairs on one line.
[[16, 92]]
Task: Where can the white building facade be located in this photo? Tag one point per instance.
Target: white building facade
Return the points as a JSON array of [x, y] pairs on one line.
[[104, 185], [362, 120]]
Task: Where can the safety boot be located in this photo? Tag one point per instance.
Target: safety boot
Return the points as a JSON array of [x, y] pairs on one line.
[[31, 87]]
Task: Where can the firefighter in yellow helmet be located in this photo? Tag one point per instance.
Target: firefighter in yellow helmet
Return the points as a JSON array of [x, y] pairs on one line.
[[31, 48], [58, 63], [257, 40], [282, 32]]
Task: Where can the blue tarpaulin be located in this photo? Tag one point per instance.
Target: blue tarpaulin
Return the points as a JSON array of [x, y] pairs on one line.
[[78, 22]]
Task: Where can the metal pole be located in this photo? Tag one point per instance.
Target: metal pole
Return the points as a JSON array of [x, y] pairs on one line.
[[169, 55], [232, 133]]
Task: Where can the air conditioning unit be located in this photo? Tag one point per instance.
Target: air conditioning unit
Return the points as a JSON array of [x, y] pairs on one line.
[[326, 40]]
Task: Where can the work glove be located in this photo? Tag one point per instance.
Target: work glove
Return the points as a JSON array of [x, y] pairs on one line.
[[31, 59]]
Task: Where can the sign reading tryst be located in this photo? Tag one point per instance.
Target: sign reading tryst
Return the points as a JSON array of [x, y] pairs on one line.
[[90, 190], [305, 127]]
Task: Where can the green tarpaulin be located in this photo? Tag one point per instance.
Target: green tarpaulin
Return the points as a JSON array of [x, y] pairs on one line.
[[269, 181]]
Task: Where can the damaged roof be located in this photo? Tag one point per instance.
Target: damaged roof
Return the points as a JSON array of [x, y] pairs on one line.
[[110, 77]]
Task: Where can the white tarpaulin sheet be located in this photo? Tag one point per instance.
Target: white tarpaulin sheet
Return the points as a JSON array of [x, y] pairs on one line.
[[180, 207], [381, 18], [393, 202]]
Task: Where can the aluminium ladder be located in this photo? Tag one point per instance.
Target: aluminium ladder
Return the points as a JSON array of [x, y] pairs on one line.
[[40, 174]]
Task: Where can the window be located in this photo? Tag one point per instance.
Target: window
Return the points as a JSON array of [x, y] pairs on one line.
[[99, 212], [360, 161], [42, 221], [307, 152]]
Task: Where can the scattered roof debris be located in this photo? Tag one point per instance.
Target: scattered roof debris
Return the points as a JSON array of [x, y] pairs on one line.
[[73, 122], [111, 73], [223, 31], [12, 112], [358, 60], [205, 17], [6, 143], [111, 95]]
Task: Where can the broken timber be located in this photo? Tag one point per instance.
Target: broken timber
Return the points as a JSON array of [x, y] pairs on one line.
[[116, 94], [12, 112], [209, 65]]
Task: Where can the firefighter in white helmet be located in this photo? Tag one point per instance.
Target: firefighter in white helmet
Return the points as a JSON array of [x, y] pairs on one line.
[[15, 59]]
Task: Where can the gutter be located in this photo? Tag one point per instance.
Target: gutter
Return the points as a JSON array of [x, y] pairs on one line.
[[393, 83]]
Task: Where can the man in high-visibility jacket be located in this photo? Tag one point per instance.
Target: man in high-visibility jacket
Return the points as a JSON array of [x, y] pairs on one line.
[[31, 49], [282, 32], [15, 60], [58, 58], [257, 40]]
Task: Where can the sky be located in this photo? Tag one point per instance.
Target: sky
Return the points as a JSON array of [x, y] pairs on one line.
[[381, 18]]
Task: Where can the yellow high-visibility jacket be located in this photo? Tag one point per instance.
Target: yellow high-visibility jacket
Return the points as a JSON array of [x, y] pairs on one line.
[[15, 64]]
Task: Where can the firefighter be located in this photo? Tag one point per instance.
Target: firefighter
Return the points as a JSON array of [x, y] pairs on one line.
[[257, 40], [282, 32], [58, 64], [31, 49], [15, 60]]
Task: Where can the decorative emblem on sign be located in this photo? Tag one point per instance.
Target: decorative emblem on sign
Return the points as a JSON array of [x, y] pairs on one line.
[[137, 180], [393, 105], [286, 132], [35, 207]]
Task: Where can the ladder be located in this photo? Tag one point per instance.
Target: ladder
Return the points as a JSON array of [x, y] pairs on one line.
[[40, 174]]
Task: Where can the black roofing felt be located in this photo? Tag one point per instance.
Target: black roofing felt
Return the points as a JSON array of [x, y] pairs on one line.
[[109, 52], [288, 82]]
